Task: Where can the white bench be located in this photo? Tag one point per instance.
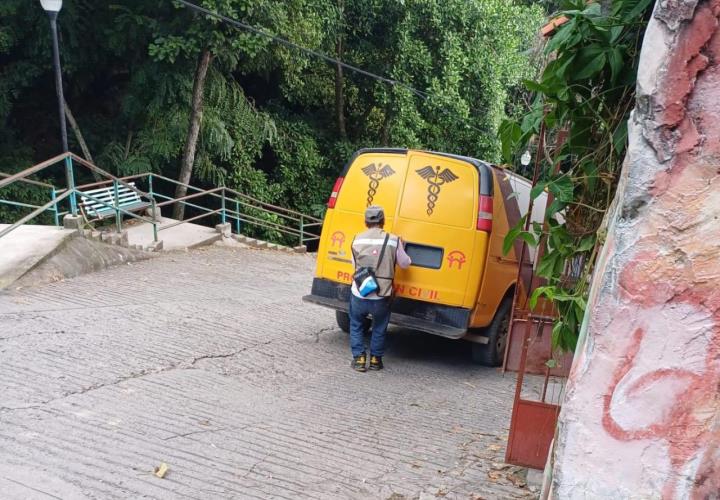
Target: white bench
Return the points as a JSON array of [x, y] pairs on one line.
[[128, 200]]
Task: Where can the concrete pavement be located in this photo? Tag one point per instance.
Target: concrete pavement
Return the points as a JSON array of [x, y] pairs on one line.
[[209, 362], [180, 237]]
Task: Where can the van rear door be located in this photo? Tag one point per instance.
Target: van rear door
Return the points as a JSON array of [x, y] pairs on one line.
[[371, 178], [437, 217]]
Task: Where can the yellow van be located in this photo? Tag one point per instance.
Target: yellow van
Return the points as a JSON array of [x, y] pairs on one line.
[[453, 213]]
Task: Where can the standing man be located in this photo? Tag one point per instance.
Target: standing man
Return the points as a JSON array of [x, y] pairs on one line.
[[375, 254]]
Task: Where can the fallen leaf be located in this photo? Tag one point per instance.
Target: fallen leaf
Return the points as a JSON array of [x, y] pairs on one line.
[[494, 475], [161, 470], [517, 480]]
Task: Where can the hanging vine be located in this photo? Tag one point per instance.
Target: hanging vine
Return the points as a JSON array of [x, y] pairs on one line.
[[583, 100]]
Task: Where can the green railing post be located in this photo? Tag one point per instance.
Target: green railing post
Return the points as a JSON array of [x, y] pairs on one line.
[[237, 216], [150, 187], [154, 220], [71, 185], [118, 217], [302, 229], [53, 196], [222, 216]]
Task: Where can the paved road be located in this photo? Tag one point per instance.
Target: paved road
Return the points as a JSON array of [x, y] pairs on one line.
[[208, 361]]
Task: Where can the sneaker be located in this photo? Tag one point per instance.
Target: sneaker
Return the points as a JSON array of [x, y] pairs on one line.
[[358, 363], [376, 363]]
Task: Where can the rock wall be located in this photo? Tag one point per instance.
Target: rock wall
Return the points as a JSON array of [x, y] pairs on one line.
[[642, 412]]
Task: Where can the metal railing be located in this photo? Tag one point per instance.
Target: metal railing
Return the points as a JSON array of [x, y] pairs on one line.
[[71, 192], [50, 187], [226, 203]]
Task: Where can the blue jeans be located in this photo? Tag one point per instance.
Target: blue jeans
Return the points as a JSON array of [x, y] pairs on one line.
[[380, 312]]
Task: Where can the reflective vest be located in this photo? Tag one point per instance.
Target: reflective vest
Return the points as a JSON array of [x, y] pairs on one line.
[[366, 248]]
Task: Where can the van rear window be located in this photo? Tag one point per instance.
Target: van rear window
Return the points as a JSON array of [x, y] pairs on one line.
[[424, 256]]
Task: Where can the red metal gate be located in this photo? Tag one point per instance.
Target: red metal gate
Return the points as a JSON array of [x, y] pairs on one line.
[[539, 389], [542, 374]]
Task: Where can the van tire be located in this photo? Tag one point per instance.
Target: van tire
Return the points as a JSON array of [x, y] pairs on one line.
[[343, 321], [492, 353]]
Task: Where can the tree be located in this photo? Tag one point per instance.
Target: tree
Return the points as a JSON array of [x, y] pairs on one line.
[[186, 35], [157, 87]]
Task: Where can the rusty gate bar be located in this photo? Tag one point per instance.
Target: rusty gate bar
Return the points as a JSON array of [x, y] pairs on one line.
[[533, 422], [532, 425]]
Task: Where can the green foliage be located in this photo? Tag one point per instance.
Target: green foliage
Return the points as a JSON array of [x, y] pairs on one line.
[[269, 120], [25, 193], [586, 91], [30, 195]]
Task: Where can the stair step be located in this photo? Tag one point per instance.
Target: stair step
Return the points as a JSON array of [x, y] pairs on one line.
[[255, 243], [244, 239]]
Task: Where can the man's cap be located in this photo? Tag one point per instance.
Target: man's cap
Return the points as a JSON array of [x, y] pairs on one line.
[[374, 214]]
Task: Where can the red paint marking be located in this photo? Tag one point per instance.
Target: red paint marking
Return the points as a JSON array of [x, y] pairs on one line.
[[344, 276], [456, 257], [687, 123], [416, 291], [654, 430], [337, 239]]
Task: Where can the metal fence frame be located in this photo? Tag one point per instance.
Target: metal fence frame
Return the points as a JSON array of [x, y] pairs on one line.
[[233, 204]]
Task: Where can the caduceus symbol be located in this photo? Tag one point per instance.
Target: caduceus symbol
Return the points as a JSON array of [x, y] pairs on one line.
[[376, 173], [435, 179]]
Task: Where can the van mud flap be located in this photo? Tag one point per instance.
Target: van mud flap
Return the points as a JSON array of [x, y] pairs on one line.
[[438, 319]]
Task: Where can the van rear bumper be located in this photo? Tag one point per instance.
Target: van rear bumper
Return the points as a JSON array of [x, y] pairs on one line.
[[438, 319]]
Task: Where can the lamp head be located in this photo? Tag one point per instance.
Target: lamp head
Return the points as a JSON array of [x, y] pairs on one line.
[[51, 5]]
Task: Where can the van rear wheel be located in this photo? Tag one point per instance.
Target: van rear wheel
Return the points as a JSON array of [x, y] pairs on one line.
[[343, 321], [492, 353]]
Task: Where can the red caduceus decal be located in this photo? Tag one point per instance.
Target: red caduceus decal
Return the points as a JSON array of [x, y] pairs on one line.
[[456, 257], [337, 239]]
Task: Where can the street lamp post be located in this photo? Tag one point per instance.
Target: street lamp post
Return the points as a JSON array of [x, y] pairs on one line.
[[52, 7]]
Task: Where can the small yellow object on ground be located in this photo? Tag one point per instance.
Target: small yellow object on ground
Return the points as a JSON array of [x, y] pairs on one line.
[[161, 470]]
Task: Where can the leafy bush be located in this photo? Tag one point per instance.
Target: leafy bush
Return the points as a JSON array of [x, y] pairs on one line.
[[585, 93]]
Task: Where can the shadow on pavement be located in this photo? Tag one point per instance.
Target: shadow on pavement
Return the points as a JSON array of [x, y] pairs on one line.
[[418, 346]]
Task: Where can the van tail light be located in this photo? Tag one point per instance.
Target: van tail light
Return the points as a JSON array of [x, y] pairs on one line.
[[485, 213], [335, 192]]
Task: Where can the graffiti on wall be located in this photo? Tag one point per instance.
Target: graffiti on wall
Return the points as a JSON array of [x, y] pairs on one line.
[[670, 281], [654, 336]]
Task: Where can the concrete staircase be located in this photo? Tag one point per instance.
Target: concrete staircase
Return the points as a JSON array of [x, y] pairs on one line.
[[39, 254], [255, 243], [181, 237], [114, 238]]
